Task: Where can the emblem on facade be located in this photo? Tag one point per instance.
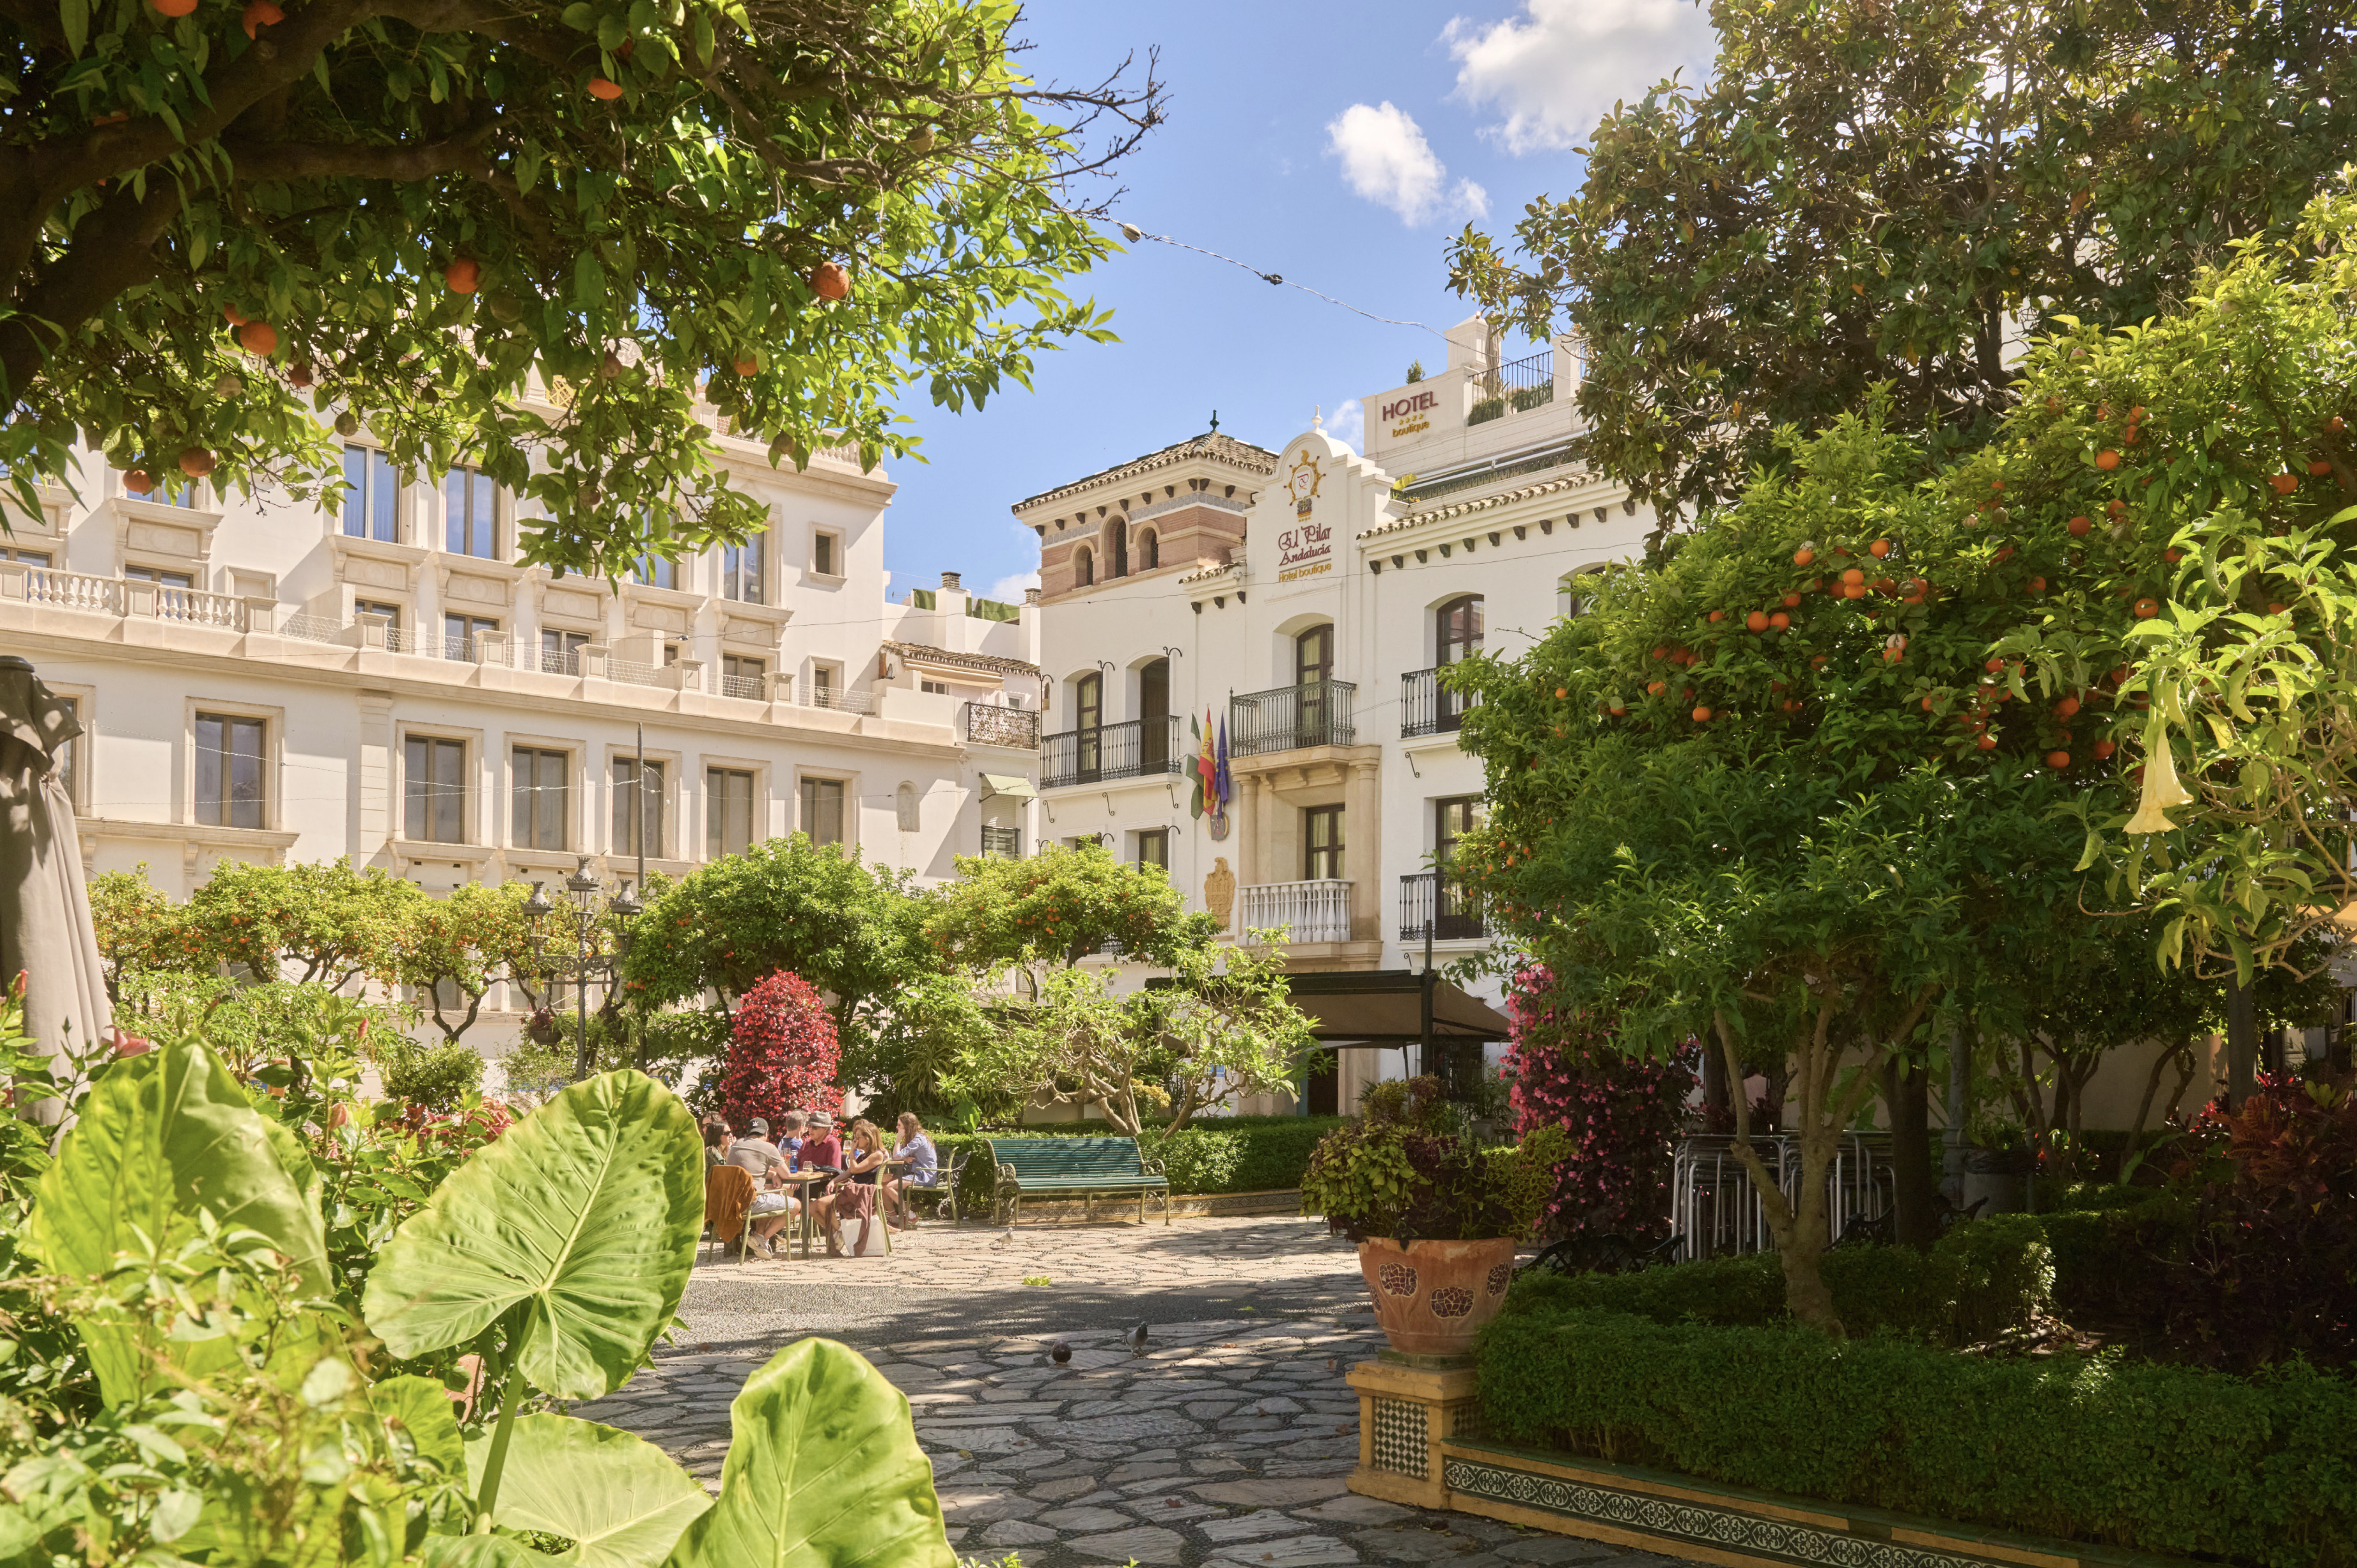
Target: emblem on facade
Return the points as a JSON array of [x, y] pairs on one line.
[[1219, 891], [1217, 825], [1302, 484]]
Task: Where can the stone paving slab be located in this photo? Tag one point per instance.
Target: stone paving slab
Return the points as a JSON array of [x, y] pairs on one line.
[[1224, 1445]]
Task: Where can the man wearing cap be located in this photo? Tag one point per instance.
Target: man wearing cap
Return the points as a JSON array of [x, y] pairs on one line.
[[819, 1145]]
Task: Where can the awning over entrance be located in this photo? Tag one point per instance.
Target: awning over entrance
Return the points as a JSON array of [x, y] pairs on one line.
[[1385, 1007], [1010, 785]]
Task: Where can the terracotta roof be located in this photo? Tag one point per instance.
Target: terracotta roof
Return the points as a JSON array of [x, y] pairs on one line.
[[1206, 570], [1484, 503], [995, 663], [1211, 443]]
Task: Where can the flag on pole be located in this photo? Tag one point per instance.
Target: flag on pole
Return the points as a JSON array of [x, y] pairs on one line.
[[1205, 769], [1224, 783]]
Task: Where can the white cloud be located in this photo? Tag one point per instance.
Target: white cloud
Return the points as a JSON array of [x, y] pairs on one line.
[[1008, 590], [1348, 425], [1386, 160], [1553, 70]]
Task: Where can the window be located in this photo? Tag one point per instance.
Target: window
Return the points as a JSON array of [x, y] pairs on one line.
[[907, 808], [822, 810], [826, 555], [175, 489], [740, 571], [728, 811], [28, 557], [1457, 631], [231, 791], [542, 782], [371, 496], [1313, 655], [1156, 731], [1149, 551], [826, 679], [560, 652], [743, 676], [1084, 567], [1572, 597], [390, 613], [472, 518], [1153, 848], [655, 571], [461, 635], [434, 790], [637, 801], [1116, 549], [160, 576], [1321, 843], [1087, 720], [1452, 819], [939, 688]]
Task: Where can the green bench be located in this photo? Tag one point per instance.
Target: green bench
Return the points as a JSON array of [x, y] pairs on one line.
[[1085, 1167]]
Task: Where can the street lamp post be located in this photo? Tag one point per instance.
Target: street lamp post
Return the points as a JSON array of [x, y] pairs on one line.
[[582, 890]]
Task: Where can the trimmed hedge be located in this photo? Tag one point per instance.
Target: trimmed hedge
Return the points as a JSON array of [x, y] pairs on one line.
[[1222, 1153], [1981, 1278], [2260, 1471]]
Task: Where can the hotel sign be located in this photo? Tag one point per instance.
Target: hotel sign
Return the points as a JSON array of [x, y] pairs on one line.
[[1303, 551], [1410, 415]]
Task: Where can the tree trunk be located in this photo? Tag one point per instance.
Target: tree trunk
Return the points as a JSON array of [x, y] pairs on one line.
[[1717, 1105], [1907, 1098], [2241, 1044]]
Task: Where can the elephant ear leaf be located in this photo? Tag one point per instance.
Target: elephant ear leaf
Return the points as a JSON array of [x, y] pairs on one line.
[[823, 1471], [418, 1410], [163, 1136], [619, 1499], [584, 1215]]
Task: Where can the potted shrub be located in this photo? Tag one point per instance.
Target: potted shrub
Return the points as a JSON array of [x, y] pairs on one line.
[[1436, 1216], [1998, 1160]]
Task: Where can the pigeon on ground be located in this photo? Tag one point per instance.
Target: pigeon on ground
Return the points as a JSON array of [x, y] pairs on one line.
[[1060, 1352], [1137, 1340], [1004, 1242]]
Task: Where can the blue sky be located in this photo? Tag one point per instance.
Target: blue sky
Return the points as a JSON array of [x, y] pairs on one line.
[[1338, 146]]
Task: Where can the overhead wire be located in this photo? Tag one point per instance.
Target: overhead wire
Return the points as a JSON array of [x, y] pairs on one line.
[[1132, 233]]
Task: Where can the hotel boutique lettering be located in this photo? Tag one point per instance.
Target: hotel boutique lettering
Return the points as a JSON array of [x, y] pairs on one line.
[[1304, 551]]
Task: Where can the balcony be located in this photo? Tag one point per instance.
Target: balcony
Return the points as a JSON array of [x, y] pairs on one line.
[[1457, 920], [1306, 911], [1015, 728], [1426, 707], [121, 597], [1292, 717], [1139, 748], [1001, 843], [840, 699], [1516, 387]]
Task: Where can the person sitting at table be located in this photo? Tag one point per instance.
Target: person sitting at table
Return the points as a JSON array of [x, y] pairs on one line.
[[716, 1139], [790, 1129], [917, 1150], [854, 1194], [821, 1149], [772, 1210]]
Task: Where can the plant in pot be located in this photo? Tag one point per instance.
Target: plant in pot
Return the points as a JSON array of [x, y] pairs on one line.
[[1436, 1216]]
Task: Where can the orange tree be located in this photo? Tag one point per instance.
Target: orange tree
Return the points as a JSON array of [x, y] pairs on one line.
[[1061, 905], [1778, 793], [226, 221]]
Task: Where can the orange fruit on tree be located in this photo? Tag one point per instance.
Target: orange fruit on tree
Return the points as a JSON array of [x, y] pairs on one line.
[[2058, 759], [1927, 705], [1853, 576], [2107, 459], [196, 462], [1780, 620], [2284, 483], [260, 14], [1987, 743], [1661, 653], [2067, 706], [1805, 554], [259, 339], [462, 275], [234, 315], [1879, 549], [2078, 527], [2147, 608], [138, 481], [1656, 688], [1702, 715], [1792, 601], [2038, 584], [1561, 692], [2103, 749], [2319, 467], [1756, 621], [174, 8], [749, 366], [601, 88], [829, 281], [1715, 615]]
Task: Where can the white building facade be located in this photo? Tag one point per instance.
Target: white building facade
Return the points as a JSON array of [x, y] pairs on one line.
[[265, 680], [1307, 599]]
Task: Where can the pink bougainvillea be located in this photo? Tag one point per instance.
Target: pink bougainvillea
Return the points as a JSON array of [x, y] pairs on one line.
[[1623, 1113], [782, 1054]]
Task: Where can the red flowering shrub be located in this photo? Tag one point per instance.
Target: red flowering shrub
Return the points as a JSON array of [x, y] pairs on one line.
[[782, 1054], [1622, 1115]]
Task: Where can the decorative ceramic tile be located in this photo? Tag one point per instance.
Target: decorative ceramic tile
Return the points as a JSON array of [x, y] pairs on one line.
[[1401, 1443]]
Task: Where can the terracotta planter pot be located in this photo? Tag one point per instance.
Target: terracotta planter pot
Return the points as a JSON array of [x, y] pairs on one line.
[[1431, 1296]]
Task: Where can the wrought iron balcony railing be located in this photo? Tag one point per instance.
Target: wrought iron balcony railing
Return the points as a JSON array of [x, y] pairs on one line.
[[1426, 707], [1015, 727], [1106, 752], [1317, 713], [1457, 919]]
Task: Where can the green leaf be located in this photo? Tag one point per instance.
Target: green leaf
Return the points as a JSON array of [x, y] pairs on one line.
[[823, 1471], [165, 1136], [585, 1214], [420, 1407], [73, 16], [479, 1552], [619, 1498]]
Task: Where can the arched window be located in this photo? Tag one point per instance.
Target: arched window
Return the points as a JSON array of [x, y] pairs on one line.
[[1313, 666], [1088, 723], [1456, 629], [1157, 736], [1313, 655], [904, 802], [1116, 548], [1149, 551], [1084, 567], [1574, 596]]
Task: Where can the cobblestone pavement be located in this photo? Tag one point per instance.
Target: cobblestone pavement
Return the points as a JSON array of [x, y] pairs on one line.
[[1224, 1445]]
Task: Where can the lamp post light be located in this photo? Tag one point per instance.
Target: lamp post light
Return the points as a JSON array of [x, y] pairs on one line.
[[582, 892]]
